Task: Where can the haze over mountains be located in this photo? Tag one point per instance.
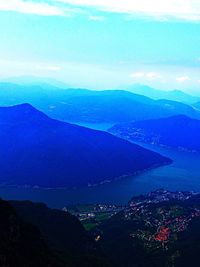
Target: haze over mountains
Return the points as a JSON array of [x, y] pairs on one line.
[[37, 150], [173, 95], [34, 80], [178, 131], [197, 105], [82, 105]]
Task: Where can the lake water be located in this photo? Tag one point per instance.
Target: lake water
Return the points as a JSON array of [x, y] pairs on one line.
[[95, 126], [182, 174]]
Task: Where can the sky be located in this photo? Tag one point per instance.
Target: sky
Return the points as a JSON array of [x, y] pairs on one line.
[[103, 44]]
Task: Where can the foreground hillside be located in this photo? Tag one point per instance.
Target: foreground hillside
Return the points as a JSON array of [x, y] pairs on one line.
[[177, 131], [32, 235], [21, 243], [161, 229], [36, 150], [81, 105]]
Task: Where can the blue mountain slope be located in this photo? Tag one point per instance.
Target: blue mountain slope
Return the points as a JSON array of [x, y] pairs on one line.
[[177, 131], [37, 150]]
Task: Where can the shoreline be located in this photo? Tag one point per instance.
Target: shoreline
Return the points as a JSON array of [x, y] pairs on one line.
[[105, 181]]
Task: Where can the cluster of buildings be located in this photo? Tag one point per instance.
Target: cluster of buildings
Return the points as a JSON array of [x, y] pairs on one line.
[[159, 216], [160, 220], [159, 196]]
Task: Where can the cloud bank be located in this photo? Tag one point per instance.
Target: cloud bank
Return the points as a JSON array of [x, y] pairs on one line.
[[158, 9], [188, 10], [31, 7], [145, 75], [182, 79]]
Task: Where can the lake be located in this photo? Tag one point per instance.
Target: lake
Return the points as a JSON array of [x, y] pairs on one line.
[[182, 174]]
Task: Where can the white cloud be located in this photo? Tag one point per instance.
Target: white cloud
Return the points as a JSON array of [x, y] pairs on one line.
[[159, 9], [152, 75], [145, 75], [54, 68], [137, 75], [96, 18], [31, 7], [50, 68], [183, 79]]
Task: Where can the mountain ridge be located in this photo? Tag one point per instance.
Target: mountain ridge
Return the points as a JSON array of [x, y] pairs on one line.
[[38, 150], [178, 131], [83, 105], [174, 95]]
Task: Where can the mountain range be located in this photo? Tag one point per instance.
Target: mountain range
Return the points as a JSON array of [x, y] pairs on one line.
[[82, 105], [178, 131], [35, 80], [38, 150], [173, 95]]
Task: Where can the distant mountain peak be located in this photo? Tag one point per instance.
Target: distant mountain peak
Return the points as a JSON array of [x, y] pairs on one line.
[[25, 106]]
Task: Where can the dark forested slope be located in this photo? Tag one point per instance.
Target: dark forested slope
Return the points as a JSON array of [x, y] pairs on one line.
[[37, 150]]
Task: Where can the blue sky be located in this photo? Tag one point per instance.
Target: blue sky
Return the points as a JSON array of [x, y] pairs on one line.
[[103, 43]]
